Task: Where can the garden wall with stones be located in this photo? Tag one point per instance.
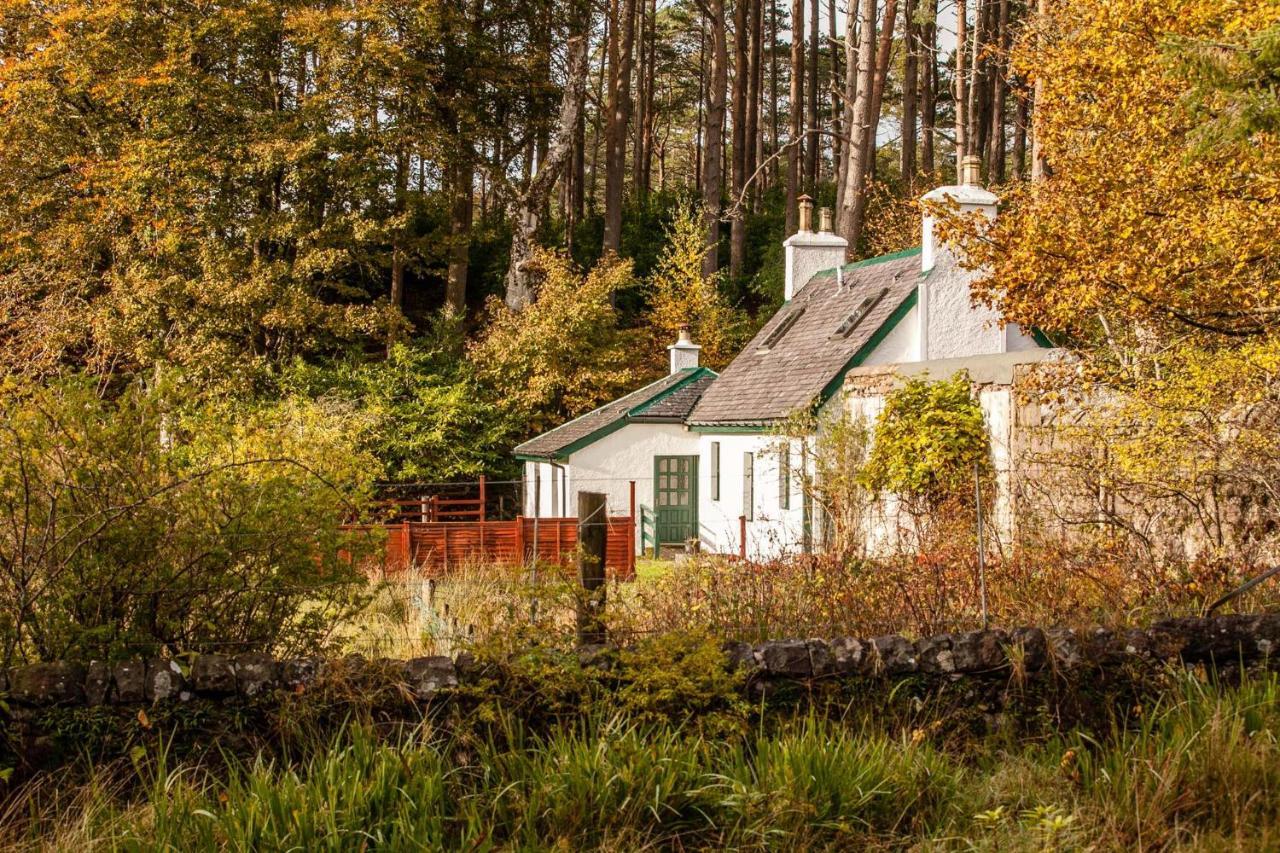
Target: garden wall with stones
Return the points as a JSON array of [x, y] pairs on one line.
[[214, 706], [1224, 642]]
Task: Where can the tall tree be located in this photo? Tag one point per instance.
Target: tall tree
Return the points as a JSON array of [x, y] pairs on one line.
[[1039, 165], [621, 54], [713, 133], [795, 140], [837, 111], [527, 206], [754, 130], [928, 85], [910, 80], [741, 83], [862, 145], [849, 96], [883, 60], [959, 87], [1000, 86], [813, 141]]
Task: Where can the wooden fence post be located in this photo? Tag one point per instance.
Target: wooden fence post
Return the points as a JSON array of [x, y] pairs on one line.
[[631, 532], [742, 536], [593, 526]]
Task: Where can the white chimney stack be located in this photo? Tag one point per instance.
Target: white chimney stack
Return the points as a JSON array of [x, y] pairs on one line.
[[969, 194], [684, 352], [809, 252]]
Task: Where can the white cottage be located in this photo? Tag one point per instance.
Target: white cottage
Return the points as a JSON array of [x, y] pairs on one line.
[[701, 448]]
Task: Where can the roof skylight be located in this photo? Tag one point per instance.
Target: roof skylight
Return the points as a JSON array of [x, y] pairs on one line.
[[860, 313], [781, 329]]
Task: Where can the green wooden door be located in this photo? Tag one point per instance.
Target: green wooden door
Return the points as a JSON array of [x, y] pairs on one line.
[[675, 498]]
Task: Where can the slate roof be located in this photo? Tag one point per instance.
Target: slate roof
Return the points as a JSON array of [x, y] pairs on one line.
[[676, 406], [667, 399], [769, 382]]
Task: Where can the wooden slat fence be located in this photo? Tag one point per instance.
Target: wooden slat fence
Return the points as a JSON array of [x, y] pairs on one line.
[[437, 547]]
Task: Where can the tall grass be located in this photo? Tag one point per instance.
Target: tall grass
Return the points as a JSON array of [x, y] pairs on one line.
[[1201, 770]]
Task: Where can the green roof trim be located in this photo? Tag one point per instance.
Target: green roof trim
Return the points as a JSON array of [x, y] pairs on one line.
[[732, 429], [590, 438], [874, 341], [563, 453], [870, 262]]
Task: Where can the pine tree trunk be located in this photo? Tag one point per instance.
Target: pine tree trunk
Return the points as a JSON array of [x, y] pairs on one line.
[[755, 76], [929, 88], [1039, 165], [959, 91], [812, 142], [854, 202], [600, 94], [622, 50], [850, 94], [461, 188], [641, 80], [773, 89], [578, 178], [717, 93], [649, 112], [971, 112], [837, 111], [884, 56], [910, 37], [1000, 86], [741, 81], [795, 154], [397, 247]]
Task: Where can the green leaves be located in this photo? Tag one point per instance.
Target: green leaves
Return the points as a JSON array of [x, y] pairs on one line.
[[928, 440], [141, 524]]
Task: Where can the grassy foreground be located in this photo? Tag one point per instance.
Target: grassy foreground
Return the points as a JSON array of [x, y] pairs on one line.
[[1201, 771]]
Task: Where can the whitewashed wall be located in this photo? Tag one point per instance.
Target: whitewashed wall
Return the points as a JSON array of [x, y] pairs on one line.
[[773, 531], [901, 344], [609, 464]]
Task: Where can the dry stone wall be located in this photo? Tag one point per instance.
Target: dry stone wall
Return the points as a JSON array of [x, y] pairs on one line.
[[1223, 641]]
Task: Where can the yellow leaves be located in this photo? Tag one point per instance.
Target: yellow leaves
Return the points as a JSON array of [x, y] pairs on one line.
[[563, 355], [681, 296]]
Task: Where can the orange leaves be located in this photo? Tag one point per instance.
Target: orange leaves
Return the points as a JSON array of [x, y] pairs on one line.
[[1136, 222]]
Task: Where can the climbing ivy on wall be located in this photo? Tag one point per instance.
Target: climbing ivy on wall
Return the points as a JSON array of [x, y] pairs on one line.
[[927, 441]]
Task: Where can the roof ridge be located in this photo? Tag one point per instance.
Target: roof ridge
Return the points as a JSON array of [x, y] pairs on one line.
[[880, 259], [865, 262]]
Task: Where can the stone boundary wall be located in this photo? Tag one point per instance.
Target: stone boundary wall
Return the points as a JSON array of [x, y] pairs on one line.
[[1222, 641]]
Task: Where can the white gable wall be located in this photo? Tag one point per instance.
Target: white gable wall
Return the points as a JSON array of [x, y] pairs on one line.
[[773, 530], [610, 464], [901, 344], [953, 326]]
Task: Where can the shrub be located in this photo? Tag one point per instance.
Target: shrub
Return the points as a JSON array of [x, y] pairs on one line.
[[421, 412], [927, 442], [133, 526]]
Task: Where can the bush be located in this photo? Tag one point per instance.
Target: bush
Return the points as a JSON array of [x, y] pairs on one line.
[[421, 412], [132, 526]]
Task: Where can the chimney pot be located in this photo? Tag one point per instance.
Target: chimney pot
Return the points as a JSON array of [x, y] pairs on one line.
[[824, 220], [806, 214], [971, 170]]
